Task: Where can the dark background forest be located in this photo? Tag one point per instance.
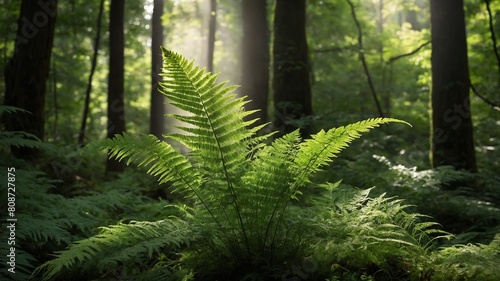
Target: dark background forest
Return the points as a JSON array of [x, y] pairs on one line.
[[76, 72]]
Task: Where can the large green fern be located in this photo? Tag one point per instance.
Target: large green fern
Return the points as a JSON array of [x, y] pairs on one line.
[[242, 188]]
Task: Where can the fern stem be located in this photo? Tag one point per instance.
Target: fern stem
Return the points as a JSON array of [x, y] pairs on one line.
[[226, 173]]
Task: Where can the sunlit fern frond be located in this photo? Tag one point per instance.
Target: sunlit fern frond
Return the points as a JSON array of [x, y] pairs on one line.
[[266, 186], [163, 160], [325, 145], [120, 243], [358, 231], [216, 132]]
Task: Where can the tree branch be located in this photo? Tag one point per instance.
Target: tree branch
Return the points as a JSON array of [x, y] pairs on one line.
[[337, 49], [392, 59], [493, 105], [81, 134], [493, 37], [363, 60]]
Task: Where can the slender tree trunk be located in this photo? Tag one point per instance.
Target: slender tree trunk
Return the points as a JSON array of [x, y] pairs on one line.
[[452, 132], [291, 84], [86, 106], [255, 56], [212, 26], [27, 72], [157, 120], [116, 107]]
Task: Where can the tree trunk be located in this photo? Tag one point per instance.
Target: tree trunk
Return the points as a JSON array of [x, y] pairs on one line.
[[291, 84], [452, 140], [255, 56], [157, 119], [211, 35], [28, 69], [116, 107]]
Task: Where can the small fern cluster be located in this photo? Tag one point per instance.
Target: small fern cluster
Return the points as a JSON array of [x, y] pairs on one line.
[[483, 204], [468, 262], [48, 220], [244, 221], [17, 139]]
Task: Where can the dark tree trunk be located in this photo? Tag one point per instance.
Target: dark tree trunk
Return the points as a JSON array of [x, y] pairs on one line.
[[255, 56], [157, 120], [212, 26], [291, 84], [452, 132], [116, 107], [28, 69]]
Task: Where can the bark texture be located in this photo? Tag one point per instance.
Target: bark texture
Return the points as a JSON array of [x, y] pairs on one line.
[[452, 132], [27, 71], [116, 106], [291, 75], [255, 57]]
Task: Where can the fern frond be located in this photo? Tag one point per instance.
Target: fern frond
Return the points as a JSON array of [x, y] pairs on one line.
[[23, 139], [266, 185], [217, 133], [162, 159], [7, 109], [323, 146], [120, 243], [360, 231], [468, 262], [42, 229]]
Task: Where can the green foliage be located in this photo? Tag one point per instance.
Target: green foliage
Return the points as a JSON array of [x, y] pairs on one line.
[[51, 215], [361, 235], [468, 262], [242, 189], [40, 226], [123, 244], [245, 220], [19, 139]]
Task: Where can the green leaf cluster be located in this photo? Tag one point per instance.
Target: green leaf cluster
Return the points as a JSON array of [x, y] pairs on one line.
[[245, 221]]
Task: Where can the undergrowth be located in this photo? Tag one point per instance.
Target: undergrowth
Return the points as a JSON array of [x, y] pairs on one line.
[[56, 206], [252, 209]]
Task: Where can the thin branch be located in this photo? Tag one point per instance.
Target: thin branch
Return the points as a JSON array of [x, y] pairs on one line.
[[392, 59], [493, 105], [493, 37], [81, 134], [337, 49], [56, 104], [363, 60]]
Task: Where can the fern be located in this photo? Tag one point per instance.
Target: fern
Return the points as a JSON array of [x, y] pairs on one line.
[[359, 232], [120, 243], [243, 215], [242, 188], [48, 221], [7, 109], [468, 262], [20, 138]]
